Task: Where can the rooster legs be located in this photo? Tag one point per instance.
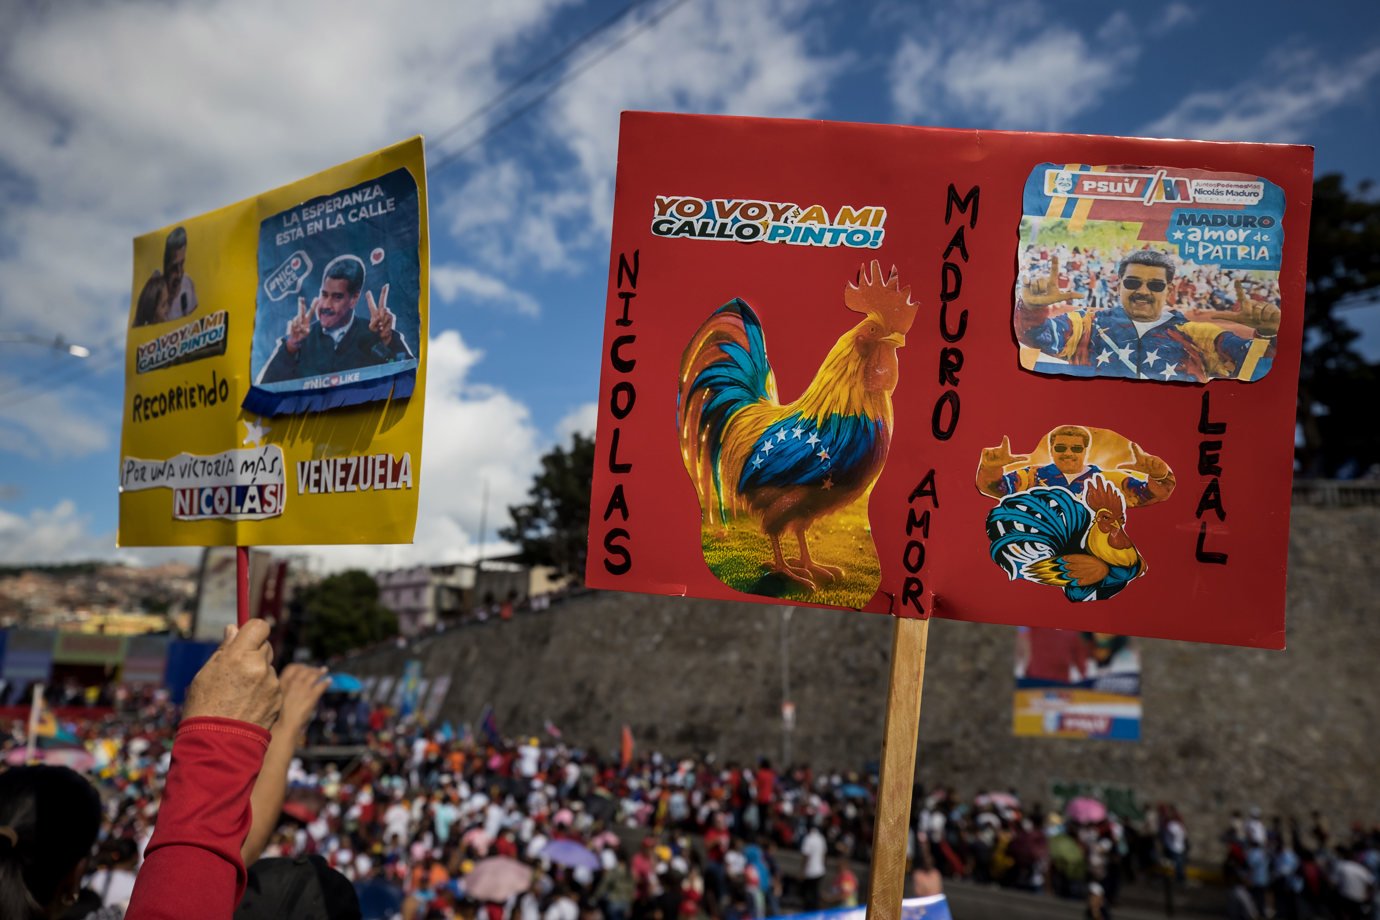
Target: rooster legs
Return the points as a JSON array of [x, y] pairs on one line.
[[818, 571], [778, 564]]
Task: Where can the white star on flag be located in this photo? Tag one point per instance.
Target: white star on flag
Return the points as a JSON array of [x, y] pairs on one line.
[[781, 435], [797, 431], [812, 440], [757, 462], [823, 454], [1104, 357], [254, 432], [1152, 356], [1169, 370], [766, 448]]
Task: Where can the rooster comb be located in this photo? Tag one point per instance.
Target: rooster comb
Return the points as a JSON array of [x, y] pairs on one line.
[[871, 293], [1101, 495]]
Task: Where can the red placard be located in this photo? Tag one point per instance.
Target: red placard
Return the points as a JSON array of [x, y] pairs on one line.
[[1032, 379]]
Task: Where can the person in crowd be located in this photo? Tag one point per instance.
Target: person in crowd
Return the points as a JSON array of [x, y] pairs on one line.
[[330, 337], [1142, 336], [813, 848], [204, 816], [49, 819], [113, 883]]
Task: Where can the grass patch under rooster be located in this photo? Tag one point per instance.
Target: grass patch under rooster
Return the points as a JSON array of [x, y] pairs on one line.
[[735, 552]]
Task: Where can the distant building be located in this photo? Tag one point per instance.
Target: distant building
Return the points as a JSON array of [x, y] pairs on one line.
[[411, 594], [424, 596]]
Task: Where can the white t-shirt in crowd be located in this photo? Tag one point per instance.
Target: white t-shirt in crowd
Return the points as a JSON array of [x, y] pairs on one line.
[[813, 849], [114, 886]]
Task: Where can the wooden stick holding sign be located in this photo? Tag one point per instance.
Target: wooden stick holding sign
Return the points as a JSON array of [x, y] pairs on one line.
[[241, 585], [887, 883]]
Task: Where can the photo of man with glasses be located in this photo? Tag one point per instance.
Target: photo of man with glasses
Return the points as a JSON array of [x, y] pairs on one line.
[[1144, 479], [1141, 336]]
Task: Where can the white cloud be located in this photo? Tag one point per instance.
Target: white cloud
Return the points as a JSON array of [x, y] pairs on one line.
[[63, 533], [459, 283], [1286, 95], [1017, 66], [582, 419], [56, 534], [1175, 15]]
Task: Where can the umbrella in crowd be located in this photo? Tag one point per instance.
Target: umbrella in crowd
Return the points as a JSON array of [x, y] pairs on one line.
[[606, 839], [571, 854], [497, 878], [1085, 810], [477, 840], [998, 800], [345, 683], [73, 757]]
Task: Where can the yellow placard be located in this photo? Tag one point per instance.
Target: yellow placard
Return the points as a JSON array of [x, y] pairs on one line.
[[275, 366]]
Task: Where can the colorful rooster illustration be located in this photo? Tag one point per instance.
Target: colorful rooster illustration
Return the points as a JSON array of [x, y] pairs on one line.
[[1048, 535], [788, 465]]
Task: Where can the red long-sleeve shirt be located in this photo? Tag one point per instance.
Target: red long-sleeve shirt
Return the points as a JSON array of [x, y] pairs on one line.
[[192, 866]]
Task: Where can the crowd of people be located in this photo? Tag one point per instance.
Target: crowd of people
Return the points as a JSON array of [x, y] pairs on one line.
[[439, 822], [1091, 272]]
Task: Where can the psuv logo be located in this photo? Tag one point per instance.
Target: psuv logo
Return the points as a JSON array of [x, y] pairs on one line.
[[1146, 188]]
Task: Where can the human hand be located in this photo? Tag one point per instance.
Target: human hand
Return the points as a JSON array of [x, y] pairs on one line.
[[381, 319], [1141, 462], [1260, 315], [300, 325], [1001, 456], [302, 689], [238, 682], [1042, 292]]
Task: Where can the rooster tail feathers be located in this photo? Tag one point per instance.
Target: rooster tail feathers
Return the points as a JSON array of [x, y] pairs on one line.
[[723, 370], [1037, 525]]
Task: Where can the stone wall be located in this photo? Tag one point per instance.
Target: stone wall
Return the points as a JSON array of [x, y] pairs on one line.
[[1223, 727]]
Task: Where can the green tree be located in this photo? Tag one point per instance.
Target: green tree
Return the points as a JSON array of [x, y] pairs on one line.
[[1336, 405], [553, 528], [341, 613]]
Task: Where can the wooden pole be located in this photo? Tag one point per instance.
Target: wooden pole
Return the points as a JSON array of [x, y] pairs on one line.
[[887, 883], [242, 585], [35, 714]]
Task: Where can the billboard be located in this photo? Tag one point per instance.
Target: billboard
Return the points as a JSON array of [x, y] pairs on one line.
[[1076, 685]]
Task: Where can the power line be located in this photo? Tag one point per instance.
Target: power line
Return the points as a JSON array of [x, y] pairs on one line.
[[531, 75], [570, 75]]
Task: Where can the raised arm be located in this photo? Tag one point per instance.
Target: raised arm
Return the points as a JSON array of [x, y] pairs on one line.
[[1037, 325], [192, 866], [302, 689]]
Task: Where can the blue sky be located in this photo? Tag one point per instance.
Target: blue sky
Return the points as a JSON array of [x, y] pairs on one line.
[[123, 117]]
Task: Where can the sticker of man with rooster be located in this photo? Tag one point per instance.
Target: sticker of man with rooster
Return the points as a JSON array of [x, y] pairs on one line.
[[763, 468], [1063, 522]]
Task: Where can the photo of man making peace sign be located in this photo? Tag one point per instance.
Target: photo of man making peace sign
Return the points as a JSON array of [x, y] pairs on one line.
[[331, 337]]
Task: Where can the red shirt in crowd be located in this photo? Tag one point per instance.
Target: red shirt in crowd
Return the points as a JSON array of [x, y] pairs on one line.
[[766, 786]]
